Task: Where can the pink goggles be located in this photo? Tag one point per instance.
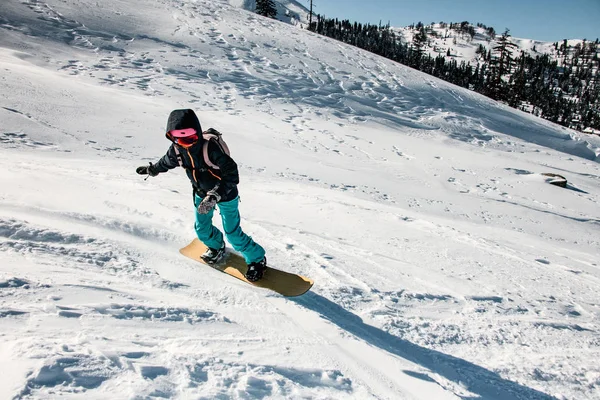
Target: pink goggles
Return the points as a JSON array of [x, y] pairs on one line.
[[183, 137]]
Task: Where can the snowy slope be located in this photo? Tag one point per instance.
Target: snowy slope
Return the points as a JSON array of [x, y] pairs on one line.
[[445, 265]]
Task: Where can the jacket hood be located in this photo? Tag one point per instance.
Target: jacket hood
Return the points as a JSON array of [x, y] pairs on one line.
[[183, 119]]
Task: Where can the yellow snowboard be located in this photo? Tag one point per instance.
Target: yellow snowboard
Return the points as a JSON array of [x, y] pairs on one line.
[[284, 283]]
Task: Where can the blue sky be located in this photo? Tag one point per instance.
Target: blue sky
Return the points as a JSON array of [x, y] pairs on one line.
[[548, 20]]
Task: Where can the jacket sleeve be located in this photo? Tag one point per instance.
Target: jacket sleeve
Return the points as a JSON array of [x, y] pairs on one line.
[[227, 167], [167, 162]]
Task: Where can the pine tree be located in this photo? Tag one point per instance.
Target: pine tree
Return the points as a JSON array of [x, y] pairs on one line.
[[419, 41], [518, 82], [501, 65], [266, 8]]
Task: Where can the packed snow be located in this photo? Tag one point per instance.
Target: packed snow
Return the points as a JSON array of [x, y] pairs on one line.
[[445, 265]]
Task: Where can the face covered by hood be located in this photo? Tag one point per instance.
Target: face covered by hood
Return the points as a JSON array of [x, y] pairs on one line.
[[183, 127]]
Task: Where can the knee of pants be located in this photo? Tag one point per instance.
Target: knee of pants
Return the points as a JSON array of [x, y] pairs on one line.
[[203, 230], [238, 239], [210, 236]]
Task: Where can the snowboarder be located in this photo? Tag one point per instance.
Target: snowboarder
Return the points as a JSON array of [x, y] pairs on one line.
[[214, 176]]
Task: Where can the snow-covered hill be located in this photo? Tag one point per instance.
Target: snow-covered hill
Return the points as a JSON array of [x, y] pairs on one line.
[[444, 264], [442, 39]]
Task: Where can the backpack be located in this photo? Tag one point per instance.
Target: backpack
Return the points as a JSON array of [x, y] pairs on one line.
[[210, 134], [213, 134]]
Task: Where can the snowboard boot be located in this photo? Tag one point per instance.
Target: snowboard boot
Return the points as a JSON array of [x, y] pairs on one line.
[[256, 270], [213, 256]]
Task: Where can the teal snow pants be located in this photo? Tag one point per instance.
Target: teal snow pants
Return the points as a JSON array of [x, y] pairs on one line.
[[230, 215]]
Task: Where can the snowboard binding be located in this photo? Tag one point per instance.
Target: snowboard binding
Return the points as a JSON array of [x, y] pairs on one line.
[[256, 270], [213, 256]]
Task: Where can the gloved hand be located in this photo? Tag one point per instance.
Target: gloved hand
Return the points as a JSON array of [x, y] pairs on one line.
[[208, 202], [147, 170]]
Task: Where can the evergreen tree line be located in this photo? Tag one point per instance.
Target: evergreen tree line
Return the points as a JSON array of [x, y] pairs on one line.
[[266, 8], [564, 90]]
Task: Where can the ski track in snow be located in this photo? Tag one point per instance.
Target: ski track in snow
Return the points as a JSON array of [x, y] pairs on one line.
[[445, 265]]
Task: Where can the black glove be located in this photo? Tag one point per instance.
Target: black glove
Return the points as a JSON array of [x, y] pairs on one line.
[[147, 170], [209, 202]]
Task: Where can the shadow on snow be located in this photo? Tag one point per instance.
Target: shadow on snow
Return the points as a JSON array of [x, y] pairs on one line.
[[478, 380]]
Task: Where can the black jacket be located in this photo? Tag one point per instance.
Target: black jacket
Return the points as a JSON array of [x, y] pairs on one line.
[[203, 178]]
